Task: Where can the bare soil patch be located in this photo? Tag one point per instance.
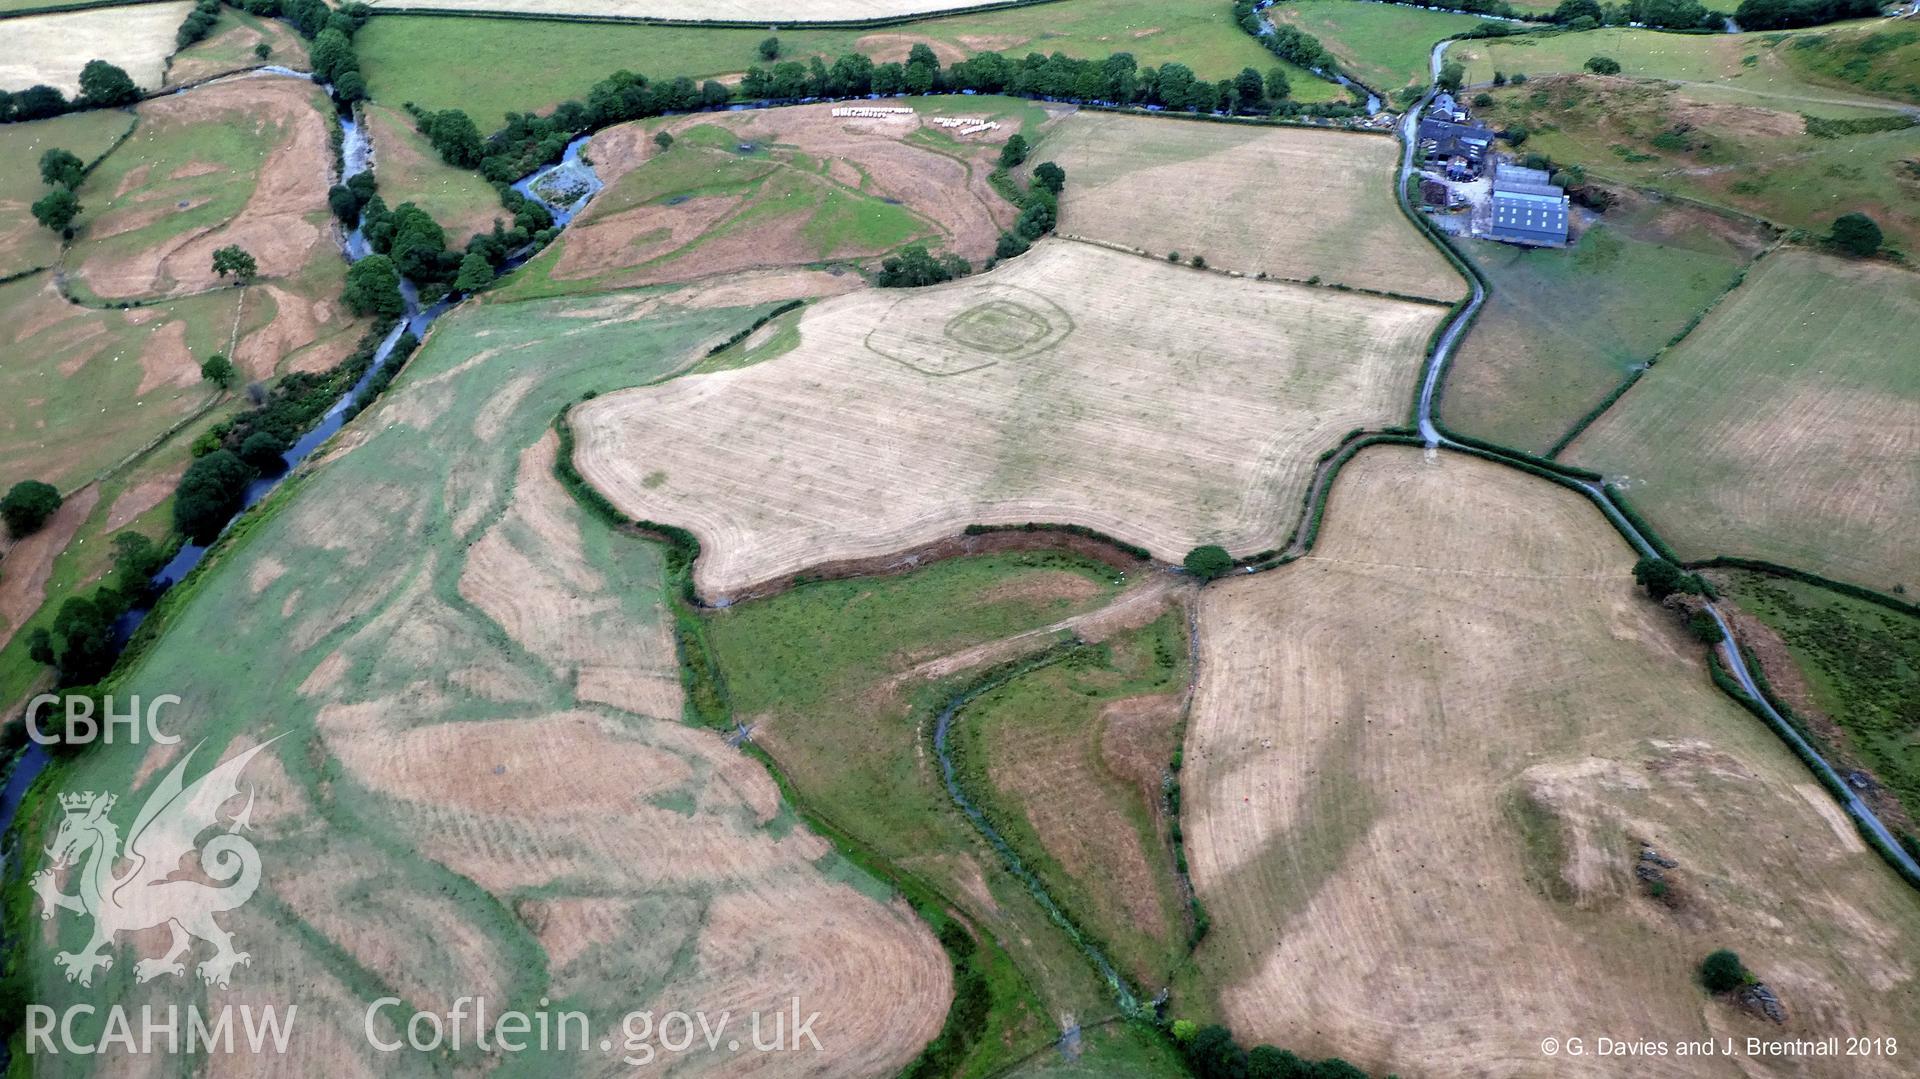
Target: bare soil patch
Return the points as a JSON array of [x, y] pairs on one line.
[[1188, 415], [1419, 770], [143, 496]]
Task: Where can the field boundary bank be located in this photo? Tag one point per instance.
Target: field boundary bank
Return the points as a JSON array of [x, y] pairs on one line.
[[199, 412], [877, 22], [1261, 275], [79, 105], [974, 540], [1775, 569], [1613, 396]]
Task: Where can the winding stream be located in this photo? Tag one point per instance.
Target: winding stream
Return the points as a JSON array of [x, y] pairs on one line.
[[1122, 992]]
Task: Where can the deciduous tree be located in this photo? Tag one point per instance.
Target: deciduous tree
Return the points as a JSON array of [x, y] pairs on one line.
[[57, 209], [218, 370], [27, 507], [1208, 562], [1856, 234], [105, 85], [234, 259], [373, 288], [61, 168]]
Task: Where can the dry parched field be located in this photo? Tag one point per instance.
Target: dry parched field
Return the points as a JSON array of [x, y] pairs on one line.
[[1421, 766], [1785, 427], [1166, 406], [1290, 202], [485, 786], [749, 11], [52, 49]]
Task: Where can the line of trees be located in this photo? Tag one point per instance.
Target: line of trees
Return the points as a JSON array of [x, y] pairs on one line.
[[102, 86], [1289, 43], [1664, 14], [526, 141], [1786, 14], [1212, 1053], [62, 170]]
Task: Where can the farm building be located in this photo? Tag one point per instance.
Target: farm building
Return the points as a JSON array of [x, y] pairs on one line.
[[1462, 147], [1528, 208]]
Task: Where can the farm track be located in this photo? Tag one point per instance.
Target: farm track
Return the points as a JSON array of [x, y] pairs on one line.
[[1862, 814]]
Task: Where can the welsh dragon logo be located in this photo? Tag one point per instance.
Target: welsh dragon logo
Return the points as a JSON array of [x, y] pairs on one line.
[[153, 891]]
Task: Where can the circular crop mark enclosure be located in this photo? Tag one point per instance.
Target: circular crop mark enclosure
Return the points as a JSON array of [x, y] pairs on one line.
[[953, 331]]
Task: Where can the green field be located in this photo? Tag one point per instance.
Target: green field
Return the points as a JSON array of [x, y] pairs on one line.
[[1878, 58], [72, 403], [1043, 757], [24, 244], [408, 169], [1758, 67], [432, 61], [1763, 162], [1861, 662], [1782, 428], [1382, 45], [823, 674], [1561, 328]]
